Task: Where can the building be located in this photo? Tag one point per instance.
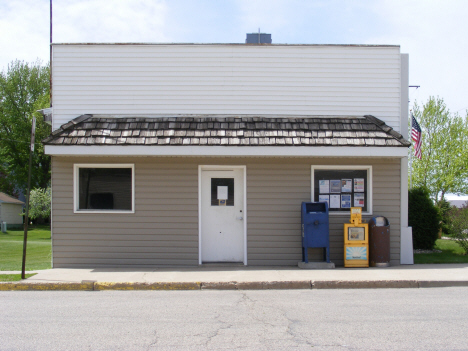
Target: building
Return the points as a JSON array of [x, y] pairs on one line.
[[185, 154], [11, 210]]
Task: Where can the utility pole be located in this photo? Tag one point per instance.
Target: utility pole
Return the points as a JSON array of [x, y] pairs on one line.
[[26, 217]]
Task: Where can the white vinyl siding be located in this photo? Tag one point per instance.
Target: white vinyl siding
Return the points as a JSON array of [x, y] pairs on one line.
[[136, 80]]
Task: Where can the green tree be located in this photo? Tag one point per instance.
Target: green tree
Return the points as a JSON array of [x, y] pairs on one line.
[[24, 89], [444, 165], [445, 219], [39, 203], [6, 187], [459, 226]]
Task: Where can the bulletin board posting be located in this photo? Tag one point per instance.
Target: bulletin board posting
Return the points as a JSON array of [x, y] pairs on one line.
[[341, 189]]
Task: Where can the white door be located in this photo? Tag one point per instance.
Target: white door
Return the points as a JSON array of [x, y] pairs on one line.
[[222, 215]]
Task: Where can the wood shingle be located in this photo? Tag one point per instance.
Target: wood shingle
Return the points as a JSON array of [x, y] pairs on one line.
[[221, 130]]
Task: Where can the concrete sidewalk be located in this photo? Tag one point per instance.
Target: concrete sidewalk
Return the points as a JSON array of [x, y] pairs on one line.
[[240, 277]]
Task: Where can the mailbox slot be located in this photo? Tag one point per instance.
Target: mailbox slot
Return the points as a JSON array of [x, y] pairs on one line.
[[312, 207]]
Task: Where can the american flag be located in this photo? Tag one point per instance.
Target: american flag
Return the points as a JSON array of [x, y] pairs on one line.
[[416, 136]]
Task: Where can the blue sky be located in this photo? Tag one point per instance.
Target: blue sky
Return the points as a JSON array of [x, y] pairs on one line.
[[432, 32]]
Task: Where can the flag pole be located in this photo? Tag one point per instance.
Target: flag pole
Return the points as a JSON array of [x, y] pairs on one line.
[[411, 170], [411, 159]]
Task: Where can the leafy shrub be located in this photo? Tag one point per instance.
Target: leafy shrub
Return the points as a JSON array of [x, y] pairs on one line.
[[459, 226], [424, 217], [444, 208]]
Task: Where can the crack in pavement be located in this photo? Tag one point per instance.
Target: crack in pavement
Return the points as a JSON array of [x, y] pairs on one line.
[[298, 337], [155, 340], [217, 331], [271, 318], [277, 317], [251, 304], [246, 322], [221, 328]]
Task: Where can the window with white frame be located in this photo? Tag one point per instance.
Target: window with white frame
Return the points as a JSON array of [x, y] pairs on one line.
[[104, 188], [343, 187]]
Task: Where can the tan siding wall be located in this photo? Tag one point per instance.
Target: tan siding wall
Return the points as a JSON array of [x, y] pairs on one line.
[[275, 191], [164, 228], [226, 79]]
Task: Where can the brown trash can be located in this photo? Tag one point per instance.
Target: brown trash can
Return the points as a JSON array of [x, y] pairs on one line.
[[379, 242]]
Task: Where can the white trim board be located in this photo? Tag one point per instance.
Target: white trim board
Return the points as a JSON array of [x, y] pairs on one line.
[[214, 168], [289, 151], [406, 233], [76, 168], [357, 167]]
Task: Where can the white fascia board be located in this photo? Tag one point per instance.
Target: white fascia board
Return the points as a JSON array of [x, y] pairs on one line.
[[270, 151], [404, 95]]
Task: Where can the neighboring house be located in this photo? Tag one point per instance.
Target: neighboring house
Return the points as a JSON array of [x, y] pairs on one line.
[[458, 203], [190, 154], [11, 210]]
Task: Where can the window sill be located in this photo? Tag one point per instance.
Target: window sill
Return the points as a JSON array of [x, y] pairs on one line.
[[103, 211]]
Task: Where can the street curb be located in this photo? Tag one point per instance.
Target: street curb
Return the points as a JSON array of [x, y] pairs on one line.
[[274, 285], [146, 286], [219, 286], [89, 285], [46, 286], [365, 284], [442, 283]]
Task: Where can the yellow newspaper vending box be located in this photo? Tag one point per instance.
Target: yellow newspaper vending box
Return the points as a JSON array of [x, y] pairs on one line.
[[356, 241]]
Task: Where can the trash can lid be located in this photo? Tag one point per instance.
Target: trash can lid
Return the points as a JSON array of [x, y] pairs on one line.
[[380, 221]]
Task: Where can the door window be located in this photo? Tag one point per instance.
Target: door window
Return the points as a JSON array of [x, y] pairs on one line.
[[222, 191]]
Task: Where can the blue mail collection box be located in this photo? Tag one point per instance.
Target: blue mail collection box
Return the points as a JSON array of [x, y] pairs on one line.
[[315, 228]]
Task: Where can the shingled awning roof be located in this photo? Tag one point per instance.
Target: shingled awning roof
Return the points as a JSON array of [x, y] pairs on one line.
[[227, 131]]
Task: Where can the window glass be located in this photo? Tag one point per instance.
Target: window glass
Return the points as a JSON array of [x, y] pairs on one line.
[[222, 191], [105, 189], [341, 188]]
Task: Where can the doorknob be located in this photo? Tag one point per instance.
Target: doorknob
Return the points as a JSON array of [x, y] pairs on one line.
[[240, 218]]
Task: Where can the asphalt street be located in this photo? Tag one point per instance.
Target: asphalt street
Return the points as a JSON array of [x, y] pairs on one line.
[[364, 319]]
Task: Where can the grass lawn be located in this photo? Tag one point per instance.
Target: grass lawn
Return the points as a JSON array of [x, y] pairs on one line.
[[451, 253], [38, 254], [13, 277]]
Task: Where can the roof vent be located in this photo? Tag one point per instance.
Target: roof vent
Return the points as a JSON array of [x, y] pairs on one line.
[[258, 38]]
